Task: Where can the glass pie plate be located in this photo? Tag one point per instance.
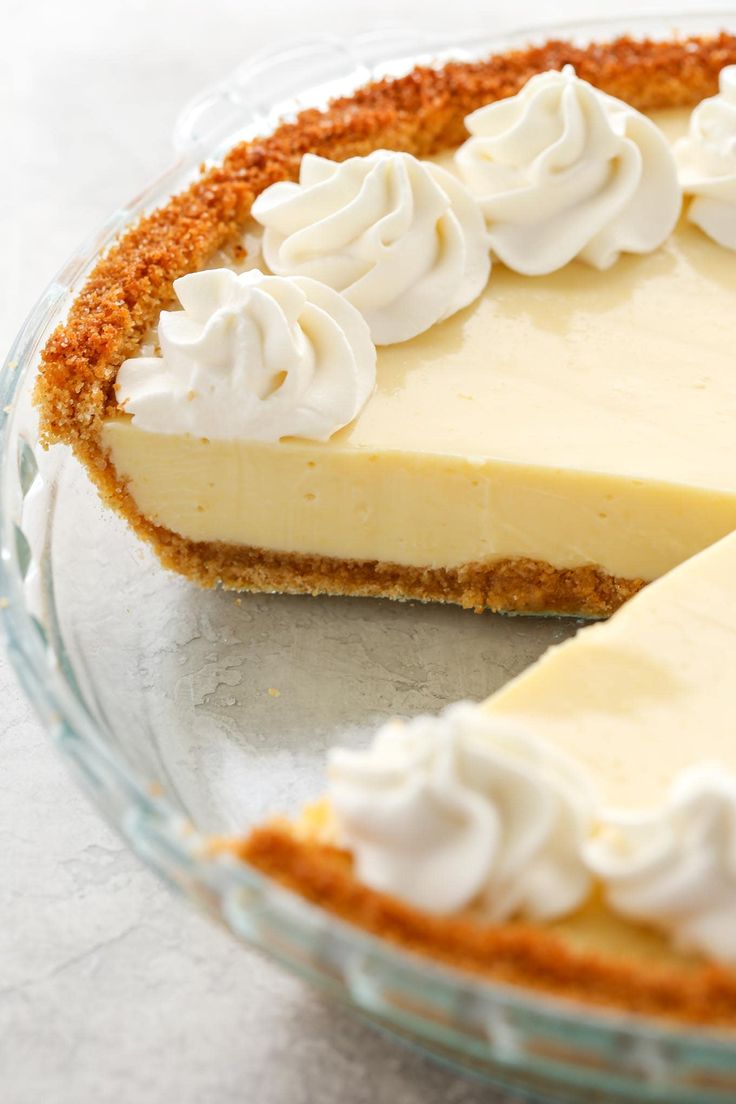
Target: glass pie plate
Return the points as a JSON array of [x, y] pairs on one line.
[[186, 712]]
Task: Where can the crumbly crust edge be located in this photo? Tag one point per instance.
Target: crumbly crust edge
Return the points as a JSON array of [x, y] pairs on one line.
[[518, 954], [511, 585]]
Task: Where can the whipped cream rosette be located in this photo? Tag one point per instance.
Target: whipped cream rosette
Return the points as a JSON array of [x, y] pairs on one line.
[[461, 809], [706, 160], [470, 811], [402, 239], [674, 867], [253, 357], [562, 170]]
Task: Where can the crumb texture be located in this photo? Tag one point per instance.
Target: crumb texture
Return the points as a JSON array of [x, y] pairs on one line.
[[524, 586], [513, 953]]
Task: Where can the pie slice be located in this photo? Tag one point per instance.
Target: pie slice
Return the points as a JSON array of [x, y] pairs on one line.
[[645, 705], [550, 447]]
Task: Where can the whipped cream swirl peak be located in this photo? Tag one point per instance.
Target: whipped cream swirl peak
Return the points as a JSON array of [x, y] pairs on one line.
[[706, 160], [252, 357], [562, 170], [464, 809], [401, 239], [675, 867]]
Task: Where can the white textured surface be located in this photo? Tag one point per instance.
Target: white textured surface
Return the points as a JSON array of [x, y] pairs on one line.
[[111, 990]]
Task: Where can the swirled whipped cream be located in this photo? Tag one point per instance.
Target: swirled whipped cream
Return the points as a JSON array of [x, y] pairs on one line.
[[562, 170], [706, 160], [675, 867], [470, 811], [462, 809], [252, 357], [402, 239]]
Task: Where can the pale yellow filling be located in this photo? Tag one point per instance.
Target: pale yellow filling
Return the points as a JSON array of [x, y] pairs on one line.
[[583, 417], [647, 694], [636, 700]]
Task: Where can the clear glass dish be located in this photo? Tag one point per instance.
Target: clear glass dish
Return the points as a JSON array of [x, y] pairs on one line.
[[185, 712]]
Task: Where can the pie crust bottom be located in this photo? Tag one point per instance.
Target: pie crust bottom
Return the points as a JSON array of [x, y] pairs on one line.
[[687, 990], [513, 585]]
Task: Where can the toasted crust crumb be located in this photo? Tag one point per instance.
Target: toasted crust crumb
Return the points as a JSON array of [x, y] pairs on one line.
[[512, 953]]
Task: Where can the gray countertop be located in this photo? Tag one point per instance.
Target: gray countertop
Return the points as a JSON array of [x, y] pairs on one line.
[[111, 989]]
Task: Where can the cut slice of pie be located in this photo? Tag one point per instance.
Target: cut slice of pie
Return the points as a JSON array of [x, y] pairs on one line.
[[644, 704], [550, 447]]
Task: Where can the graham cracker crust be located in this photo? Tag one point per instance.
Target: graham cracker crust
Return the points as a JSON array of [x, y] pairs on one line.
[[513, 953], [421, 113], [518, 585]]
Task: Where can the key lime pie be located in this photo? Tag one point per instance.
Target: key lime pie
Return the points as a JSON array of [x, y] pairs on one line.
[[466, 336]]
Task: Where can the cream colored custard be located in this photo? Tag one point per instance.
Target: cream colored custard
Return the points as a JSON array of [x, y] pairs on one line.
[[602, 781], [639, 699], [581, 417]]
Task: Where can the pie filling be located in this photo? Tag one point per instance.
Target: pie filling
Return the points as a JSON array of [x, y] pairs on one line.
[[359, 408], [578, 418], [574, 419]]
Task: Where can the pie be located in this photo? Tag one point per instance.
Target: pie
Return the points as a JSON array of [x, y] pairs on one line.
[[459, 338]]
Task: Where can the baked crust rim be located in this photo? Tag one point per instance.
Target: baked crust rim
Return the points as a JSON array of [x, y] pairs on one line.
[[521, 954]]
